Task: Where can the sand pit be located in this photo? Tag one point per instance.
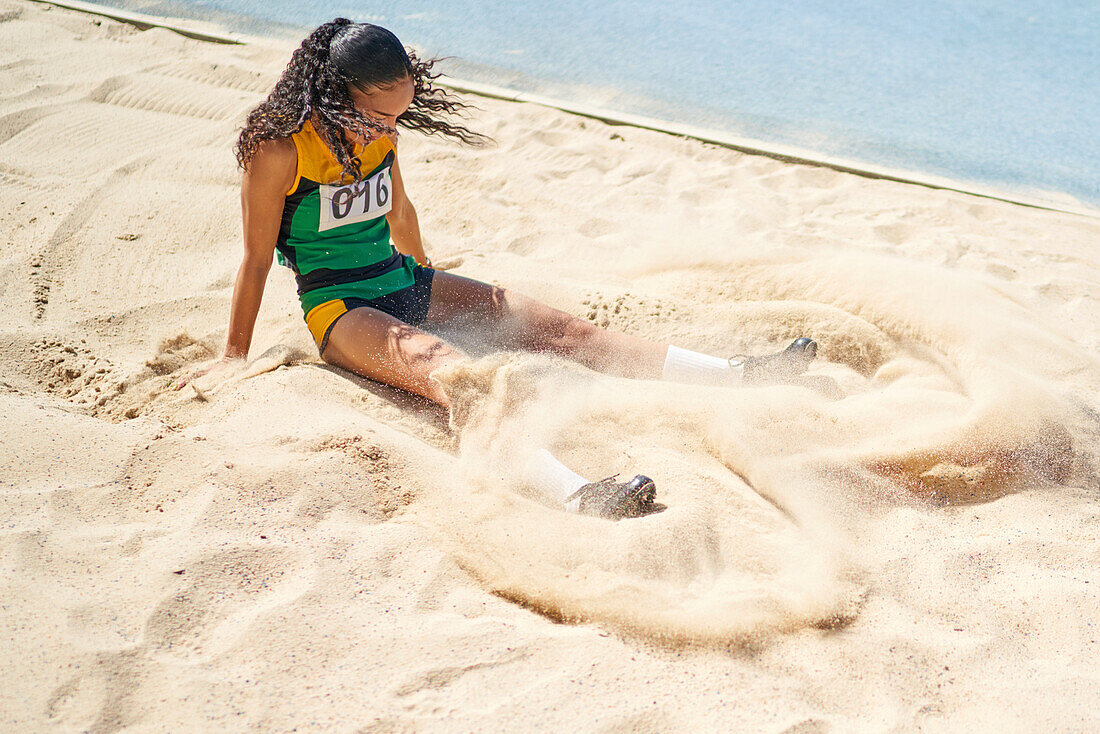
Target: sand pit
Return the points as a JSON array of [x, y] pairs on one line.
[[906, 539]]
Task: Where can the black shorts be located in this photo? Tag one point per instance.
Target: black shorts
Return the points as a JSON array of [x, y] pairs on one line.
[[408, 304]]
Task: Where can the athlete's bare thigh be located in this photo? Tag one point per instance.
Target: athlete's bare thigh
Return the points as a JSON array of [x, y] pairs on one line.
[[374, 344]]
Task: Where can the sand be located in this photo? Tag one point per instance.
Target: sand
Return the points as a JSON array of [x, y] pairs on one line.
[[908, 539]]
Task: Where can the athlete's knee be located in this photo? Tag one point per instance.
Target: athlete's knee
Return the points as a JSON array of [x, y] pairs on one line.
[[570, 333], [426, 354], [432, 353], [503, 303]]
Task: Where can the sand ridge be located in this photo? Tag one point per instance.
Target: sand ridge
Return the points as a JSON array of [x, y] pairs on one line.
[[908, 539]]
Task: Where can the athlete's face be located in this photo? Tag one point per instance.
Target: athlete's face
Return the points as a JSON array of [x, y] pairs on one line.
[[383, 104]]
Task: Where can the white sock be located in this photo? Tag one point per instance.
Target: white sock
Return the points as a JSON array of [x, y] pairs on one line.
[[553, 479], [684, 365]]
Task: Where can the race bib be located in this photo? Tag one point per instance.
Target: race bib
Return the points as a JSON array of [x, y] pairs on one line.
[[357, 202]]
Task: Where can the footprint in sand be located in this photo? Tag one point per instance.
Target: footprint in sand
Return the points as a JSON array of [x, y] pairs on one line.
[[222, 593], [597, 227], [102, 696]]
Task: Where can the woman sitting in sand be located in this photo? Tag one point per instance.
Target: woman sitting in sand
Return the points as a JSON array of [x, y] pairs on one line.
[[322, 187]]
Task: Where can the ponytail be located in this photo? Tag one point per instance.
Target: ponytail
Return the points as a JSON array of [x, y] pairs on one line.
[[314, 87]]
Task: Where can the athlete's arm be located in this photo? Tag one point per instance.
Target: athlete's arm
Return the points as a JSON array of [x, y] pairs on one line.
[[268, 177], [404, 226]]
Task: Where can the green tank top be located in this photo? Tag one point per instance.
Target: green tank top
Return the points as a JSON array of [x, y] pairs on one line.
[[334, 234]]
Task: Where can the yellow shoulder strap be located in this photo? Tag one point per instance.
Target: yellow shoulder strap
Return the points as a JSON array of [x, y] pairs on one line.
[[316, 162]]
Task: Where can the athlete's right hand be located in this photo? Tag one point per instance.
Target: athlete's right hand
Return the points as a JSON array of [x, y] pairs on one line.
[[220, 365]]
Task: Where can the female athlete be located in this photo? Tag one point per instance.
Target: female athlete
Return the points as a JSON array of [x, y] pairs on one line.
[[322, 190]]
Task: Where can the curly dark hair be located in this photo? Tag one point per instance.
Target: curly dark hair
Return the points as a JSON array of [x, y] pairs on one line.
[[314, 86]]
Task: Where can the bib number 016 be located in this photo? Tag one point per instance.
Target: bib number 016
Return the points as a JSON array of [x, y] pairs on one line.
[[358, 202]]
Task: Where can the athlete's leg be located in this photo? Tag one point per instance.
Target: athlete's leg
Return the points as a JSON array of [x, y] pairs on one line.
[[519, 322], [563, 487], [376, 345]]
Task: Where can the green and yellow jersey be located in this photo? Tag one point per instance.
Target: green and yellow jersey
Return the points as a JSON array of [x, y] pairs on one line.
[[334, 234]]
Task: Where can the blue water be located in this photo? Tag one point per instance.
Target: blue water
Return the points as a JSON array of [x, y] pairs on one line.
[[1001, 93]]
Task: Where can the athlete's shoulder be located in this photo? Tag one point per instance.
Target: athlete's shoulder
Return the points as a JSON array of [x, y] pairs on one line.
[[275, 162], [279, 150]]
